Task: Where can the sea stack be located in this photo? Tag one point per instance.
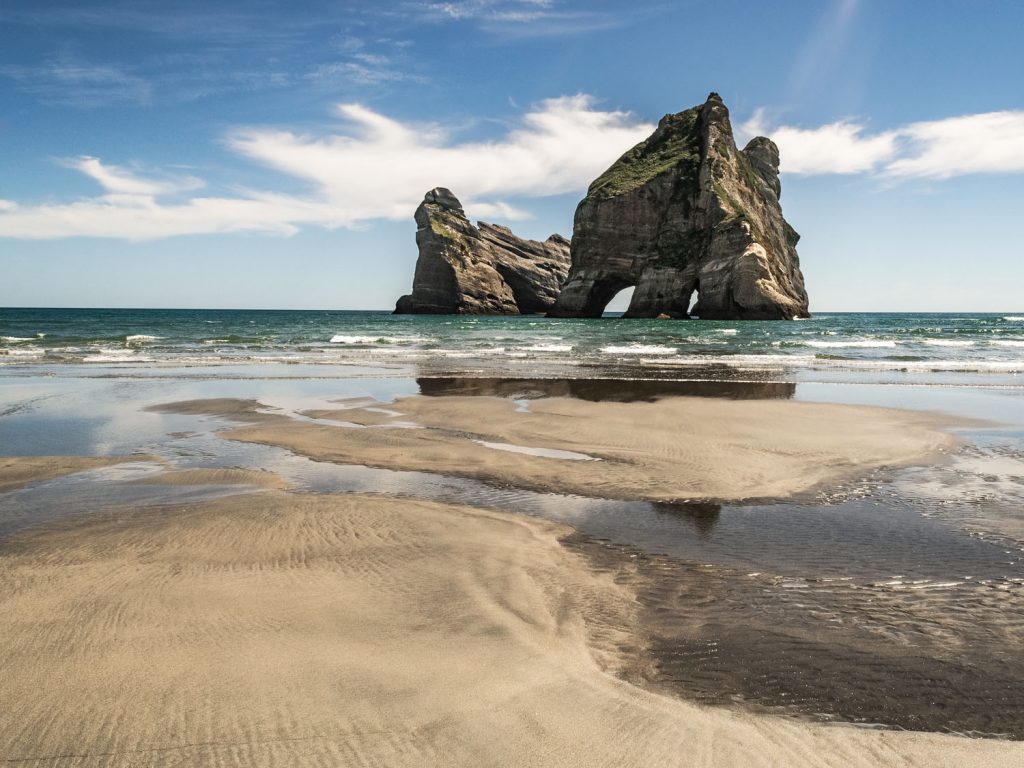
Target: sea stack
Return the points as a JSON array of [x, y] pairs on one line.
[[482, 270], [683, 213]]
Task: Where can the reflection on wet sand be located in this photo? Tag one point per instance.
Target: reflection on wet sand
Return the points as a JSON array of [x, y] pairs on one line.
[[703, 516], [610, 390]]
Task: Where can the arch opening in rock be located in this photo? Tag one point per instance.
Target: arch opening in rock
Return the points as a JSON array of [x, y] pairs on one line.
[[619, 303], [693, 301], [594, 294]]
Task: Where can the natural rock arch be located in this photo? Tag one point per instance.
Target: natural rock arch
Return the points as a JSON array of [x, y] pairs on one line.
[[684, 211]]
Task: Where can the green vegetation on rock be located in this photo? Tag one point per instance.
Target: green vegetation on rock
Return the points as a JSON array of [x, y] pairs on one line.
[[735, 208], [752, 180], [443, 230], [674, 145]]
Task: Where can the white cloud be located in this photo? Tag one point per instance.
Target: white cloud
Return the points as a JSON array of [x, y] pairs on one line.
[[491, 211], [118, 180], [991, 142], [839, 147], [375, 168], [381, 168], [134, 217]]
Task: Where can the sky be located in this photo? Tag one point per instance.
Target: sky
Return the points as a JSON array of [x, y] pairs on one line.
[[271, 154]]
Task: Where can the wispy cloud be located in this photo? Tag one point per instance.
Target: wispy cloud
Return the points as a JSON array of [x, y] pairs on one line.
[[71, 82], [363, 67], [118, 52], [125, 181], [518, 18], [374, 168], [521, 11], [220, 23], [990, 142]]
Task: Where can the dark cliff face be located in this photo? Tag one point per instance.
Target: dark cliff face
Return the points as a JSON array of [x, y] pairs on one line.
[[683, 213], [467, 270]]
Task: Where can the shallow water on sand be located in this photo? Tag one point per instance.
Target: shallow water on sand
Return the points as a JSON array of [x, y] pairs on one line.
[[897, 601]]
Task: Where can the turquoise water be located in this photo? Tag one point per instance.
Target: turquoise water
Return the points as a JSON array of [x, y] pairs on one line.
[[924, 347]]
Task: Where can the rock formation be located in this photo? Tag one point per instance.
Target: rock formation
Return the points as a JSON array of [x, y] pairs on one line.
[[483, 270], [685, 212]]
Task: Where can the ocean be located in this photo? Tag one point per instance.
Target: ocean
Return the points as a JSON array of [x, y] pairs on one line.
[[947, 348]]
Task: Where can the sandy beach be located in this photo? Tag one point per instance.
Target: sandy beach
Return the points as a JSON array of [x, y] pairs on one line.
[[666, 450], [18, 471], [279, 629], [282, 628]]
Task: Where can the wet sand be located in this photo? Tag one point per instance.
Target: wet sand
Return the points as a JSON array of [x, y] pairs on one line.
[[916, 656], [295, 629], [19, 471], [219, 476], [299, 628], [670, 449]]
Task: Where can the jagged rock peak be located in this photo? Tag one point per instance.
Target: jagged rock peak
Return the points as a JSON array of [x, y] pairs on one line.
[[763, 155], [444, 198], [482, 270], [683, 213]]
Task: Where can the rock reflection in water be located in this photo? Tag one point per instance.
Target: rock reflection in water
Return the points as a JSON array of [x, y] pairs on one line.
[[703, 516], [614, 390]]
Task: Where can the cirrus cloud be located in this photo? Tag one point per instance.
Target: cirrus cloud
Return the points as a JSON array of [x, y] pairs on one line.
[[124, 181]]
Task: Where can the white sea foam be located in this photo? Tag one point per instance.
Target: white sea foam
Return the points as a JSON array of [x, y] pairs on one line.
[[728, 331], [823, 363], [546, 348], [115, 355], [866, 344], [1008, 343], [14, 339], [23, 352], [468, 353], [640, 349], [948, 343], [139, 339], [735, 360], [1014, 318], [342, 338]]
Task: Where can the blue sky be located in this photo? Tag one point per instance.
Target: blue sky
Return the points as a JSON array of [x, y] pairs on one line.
[[262, 154]]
